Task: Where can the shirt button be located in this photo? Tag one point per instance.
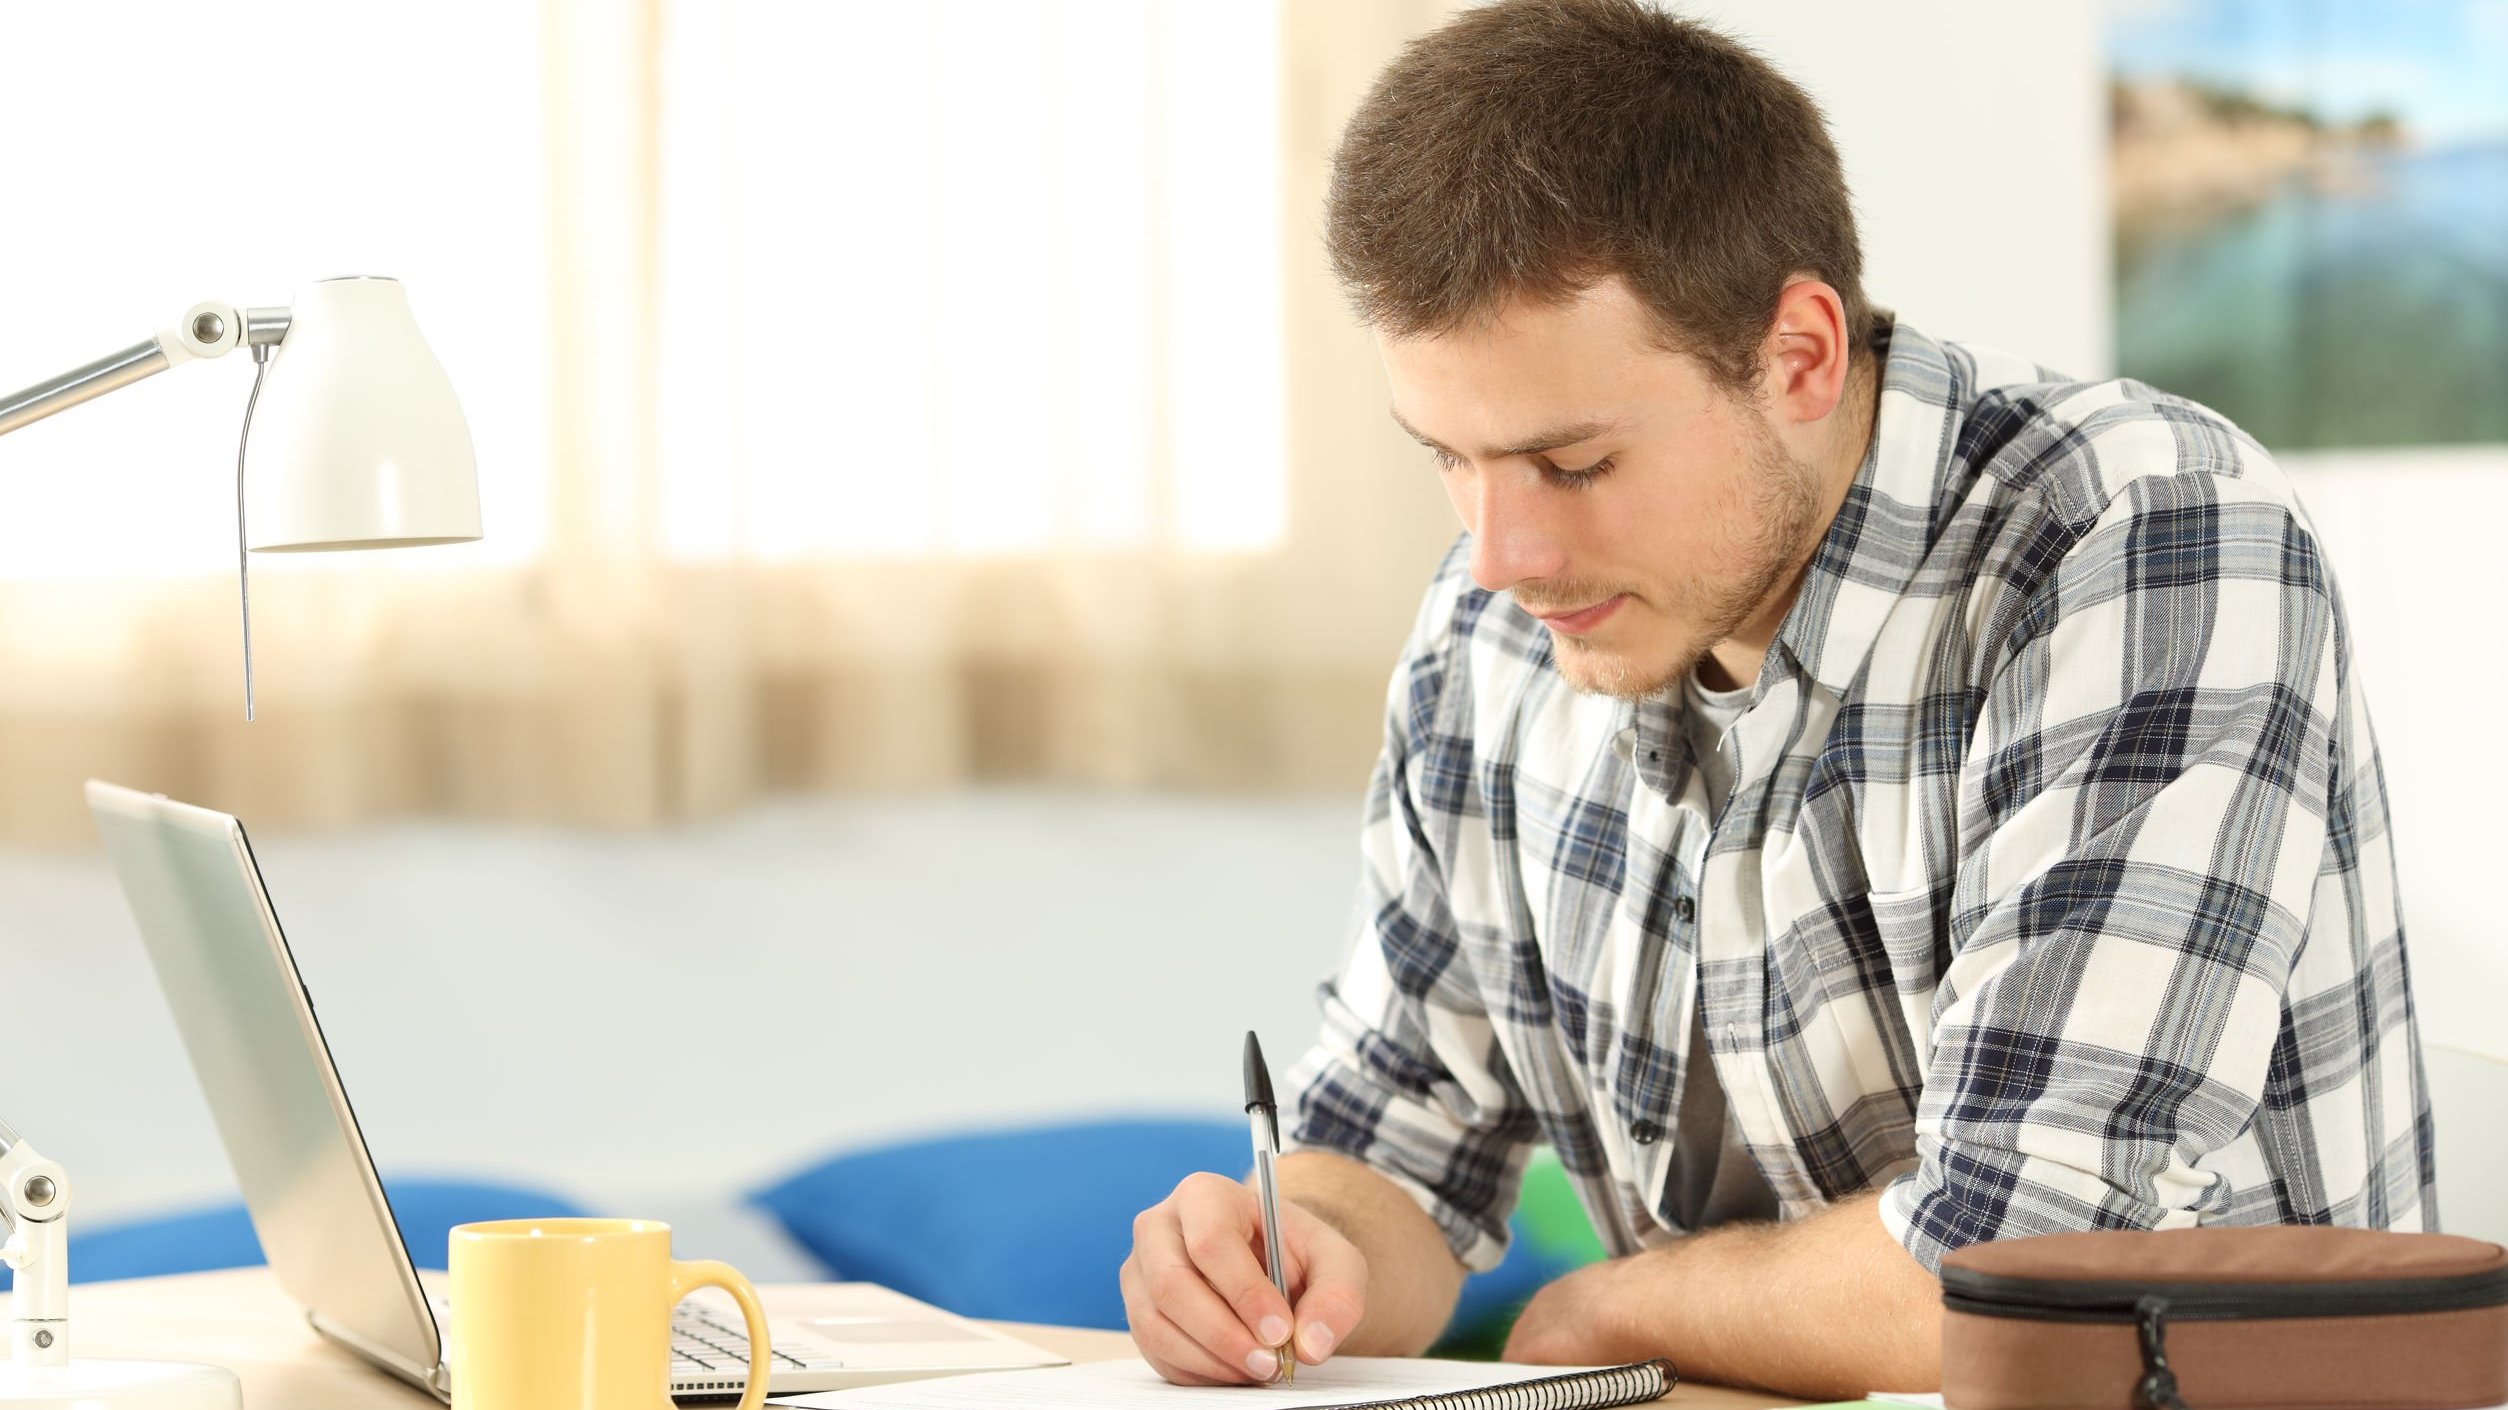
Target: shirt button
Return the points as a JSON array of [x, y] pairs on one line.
[[1732, 1036], [1645, 1133], [1684, 908]]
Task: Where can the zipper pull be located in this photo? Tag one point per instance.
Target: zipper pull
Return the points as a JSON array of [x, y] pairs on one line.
[[2158, 1390]]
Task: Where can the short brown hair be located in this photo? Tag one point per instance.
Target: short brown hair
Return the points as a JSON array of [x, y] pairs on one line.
[[1533, 147]]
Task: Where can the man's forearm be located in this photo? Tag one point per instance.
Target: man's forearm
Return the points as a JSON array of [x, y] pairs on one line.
[[1828, 1306], [1413, 1277]]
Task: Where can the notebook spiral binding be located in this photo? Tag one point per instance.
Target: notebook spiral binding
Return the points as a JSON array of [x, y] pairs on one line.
[[1632, 1384]]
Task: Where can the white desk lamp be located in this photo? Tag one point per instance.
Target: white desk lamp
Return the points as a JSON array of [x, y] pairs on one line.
[[356, 441], [352, 439]]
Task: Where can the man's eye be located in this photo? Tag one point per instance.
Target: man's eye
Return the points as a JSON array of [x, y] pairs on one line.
[[1443, 459], [1578, 479]]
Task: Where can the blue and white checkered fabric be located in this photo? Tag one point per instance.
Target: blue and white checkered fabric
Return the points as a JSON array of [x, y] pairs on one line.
[[2054, 890]]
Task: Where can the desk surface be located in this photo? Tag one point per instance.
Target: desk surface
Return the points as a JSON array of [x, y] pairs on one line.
[[241, 1320]]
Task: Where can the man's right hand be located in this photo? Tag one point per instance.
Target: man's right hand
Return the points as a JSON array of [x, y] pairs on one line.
[[1204, 1311]]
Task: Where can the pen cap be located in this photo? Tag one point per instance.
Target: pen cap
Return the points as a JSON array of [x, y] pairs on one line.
[[1257, 1076]]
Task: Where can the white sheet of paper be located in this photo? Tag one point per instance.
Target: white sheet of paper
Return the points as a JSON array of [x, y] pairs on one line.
[[1132, 1385]]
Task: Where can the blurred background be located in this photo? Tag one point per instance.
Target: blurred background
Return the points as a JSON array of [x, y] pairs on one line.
[[945, 545]]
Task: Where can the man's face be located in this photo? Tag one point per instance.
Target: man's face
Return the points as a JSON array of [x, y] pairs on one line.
[[1609, 487]]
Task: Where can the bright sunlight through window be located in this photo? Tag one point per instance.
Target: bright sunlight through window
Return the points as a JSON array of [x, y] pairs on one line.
[[971, 279], [237, 157]]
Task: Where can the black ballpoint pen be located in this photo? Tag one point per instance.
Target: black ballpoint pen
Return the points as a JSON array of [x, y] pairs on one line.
[[1265, 1115]]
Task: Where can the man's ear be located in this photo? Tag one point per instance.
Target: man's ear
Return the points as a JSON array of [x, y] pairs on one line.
[[1806, 353]]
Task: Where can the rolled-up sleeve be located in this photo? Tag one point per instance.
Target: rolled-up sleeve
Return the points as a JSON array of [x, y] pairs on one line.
[[2143, 821], [1408, 1076]]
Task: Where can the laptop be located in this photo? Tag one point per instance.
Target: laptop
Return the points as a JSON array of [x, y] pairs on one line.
[[248, 1023]]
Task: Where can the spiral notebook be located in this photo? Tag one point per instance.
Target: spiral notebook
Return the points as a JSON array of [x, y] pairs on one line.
[[1343, 1383]]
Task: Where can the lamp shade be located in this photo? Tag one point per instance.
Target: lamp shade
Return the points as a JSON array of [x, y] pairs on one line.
[[358, 441]]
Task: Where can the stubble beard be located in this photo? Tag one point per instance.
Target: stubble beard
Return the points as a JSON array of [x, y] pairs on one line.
[[1778, 530]]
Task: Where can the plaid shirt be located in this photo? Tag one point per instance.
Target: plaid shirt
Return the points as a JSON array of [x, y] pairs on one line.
[[2053, 891]]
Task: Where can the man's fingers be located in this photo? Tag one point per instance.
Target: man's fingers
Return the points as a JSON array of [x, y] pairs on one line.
[[1221, 1223], [1180, 1291], [1333, 1292], [1163, 1344], [1203, 1308]]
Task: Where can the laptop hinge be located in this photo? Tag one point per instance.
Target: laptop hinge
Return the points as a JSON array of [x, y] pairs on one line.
[[436, 1380]]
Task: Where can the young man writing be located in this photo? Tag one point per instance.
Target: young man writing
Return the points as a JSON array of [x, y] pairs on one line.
[[1853, 795]]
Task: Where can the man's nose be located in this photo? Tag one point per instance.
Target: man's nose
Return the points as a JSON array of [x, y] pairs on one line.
[[1513, 538]]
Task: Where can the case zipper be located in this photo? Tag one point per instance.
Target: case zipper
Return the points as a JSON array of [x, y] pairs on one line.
[[2149, 1306], [2157, 1389], [2049, 1300]]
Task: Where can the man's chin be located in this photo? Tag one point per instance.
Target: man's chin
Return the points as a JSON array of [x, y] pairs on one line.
[[1598, 670]]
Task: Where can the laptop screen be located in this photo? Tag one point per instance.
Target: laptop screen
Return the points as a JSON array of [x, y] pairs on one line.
[[249, 1026]]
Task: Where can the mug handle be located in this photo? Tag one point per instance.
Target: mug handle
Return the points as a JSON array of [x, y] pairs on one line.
[[688, 1275]]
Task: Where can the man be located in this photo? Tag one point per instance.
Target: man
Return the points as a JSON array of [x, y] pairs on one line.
[[1852, 795]]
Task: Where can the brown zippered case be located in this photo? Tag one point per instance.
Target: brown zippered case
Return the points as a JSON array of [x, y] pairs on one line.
[[2293, 1317]]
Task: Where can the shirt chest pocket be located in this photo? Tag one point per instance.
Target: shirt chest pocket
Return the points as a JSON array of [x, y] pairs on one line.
[[1914, 929], [1893, 918]]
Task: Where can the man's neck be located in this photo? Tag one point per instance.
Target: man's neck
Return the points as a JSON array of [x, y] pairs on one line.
[[1735, 661]]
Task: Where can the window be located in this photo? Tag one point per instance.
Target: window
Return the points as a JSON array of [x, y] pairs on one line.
[[235, 155], [970, 280]]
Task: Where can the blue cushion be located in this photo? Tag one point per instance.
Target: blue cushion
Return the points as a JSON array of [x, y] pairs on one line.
[[1031, 1224], [427, 1210], [191, 1241], [221, 1235]]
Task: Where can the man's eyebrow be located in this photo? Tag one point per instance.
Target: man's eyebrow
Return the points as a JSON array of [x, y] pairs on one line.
[[1572, 434]]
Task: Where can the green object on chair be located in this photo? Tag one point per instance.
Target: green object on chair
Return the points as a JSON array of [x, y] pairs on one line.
[[1552, 1216]]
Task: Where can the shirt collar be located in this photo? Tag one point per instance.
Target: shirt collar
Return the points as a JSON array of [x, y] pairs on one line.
[[1885, 526]]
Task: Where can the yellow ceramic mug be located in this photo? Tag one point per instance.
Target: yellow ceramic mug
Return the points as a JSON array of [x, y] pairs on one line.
[[575, 1314]]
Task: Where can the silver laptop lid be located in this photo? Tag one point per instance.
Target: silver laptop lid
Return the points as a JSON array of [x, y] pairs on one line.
[[248, 1023]]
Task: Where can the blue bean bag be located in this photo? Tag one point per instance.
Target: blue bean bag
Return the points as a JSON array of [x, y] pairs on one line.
[[221, 1235], [1030, 1224]]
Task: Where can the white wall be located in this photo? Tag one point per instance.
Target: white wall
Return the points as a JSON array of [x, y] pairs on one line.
[[2413, 542]]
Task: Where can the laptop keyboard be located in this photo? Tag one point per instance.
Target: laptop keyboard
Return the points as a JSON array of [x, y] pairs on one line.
[[703, 1343]]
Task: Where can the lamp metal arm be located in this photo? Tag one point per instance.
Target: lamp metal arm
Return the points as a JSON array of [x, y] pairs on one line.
[[209, 329]]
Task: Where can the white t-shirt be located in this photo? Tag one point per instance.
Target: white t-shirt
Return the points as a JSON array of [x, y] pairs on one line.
[[1713, 1180], [1708, 714]]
